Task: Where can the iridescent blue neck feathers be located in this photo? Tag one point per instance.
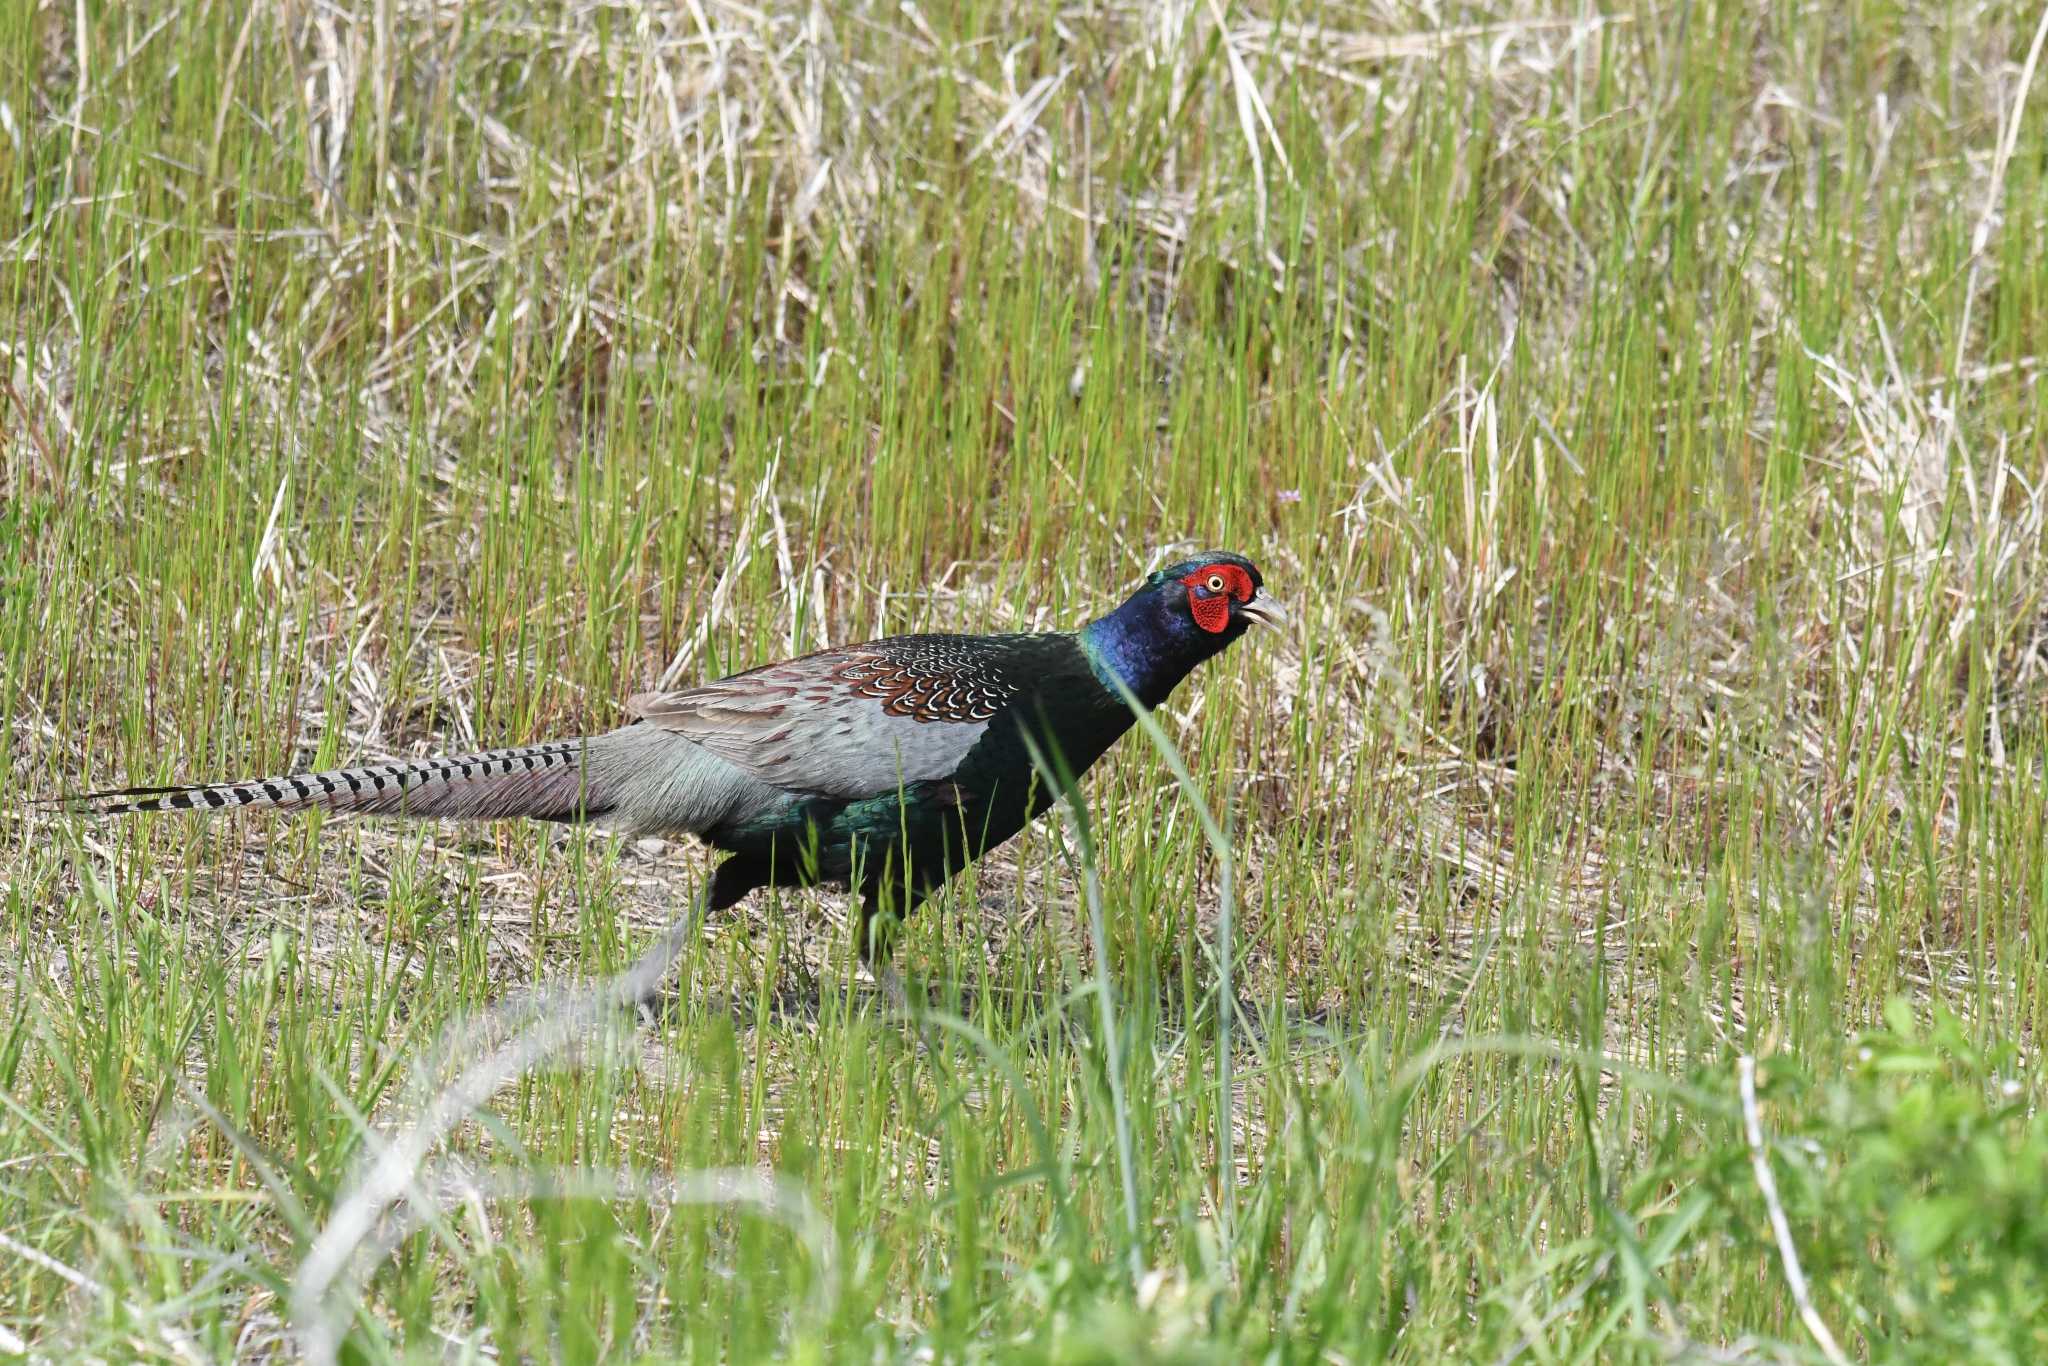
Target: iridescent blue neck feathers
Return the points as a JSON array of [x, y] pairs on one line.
[[1150, 642]]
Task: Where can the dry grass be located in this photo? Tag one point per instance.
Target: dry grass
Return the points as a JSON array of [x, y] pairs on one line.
[[1642, 408]]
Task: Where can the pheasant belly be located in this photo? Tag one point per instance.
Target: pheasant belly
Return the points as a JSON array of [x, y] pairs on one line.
[[919, 835]]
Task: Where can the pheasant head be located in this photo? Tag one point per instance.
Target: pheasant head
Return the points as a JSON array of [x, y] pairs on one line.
[[1182, 615]]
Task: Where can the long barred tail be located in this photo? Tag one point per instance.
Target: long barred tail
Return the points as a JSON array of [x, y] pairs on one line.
[[548, 781]]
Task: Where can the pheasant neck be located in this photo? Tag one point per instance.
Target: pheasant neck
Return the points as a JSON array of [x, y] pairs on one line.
[[1145, 648]]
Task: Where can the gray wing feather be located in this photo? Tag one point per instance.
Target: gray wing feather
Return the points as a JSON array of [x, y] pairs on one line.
[[659, 782], [850, 723]]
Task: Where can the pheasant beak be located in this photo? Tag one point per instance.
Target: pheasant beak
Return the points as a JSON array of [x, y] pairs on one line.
[[1264, 611]]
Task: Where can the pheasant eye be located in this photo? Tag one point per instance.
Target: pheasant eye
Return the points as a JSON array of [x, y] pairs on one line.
[[1215, 583]]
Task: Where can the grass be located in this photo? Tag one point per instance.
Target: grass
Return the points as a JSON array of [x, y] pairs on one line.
[[1639, 406]]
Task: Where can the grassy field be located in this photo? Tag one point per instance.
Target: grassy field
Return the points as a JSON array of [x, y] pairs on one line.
[[1640, 407]]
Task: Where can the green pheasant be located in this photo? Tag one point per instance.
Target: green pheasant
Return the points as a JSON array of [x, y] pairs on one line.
[[888, 766]]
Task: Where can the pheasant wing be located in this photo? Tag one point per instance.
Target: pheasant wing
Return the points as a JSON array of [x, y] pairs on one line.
[[854, 722]]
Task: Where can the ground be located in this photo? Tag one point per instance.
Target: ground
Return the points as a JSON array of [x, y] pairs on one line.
[[1638, 406]]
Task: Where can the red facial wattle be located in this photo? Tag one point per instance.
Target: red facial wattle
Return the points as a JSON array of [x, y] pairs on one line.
[[1211, 590], [1211, 614]]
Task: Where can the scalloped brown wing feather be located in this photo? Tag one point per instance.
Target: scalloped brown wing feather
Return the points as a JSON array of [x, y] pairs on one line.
[[854, 722]]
